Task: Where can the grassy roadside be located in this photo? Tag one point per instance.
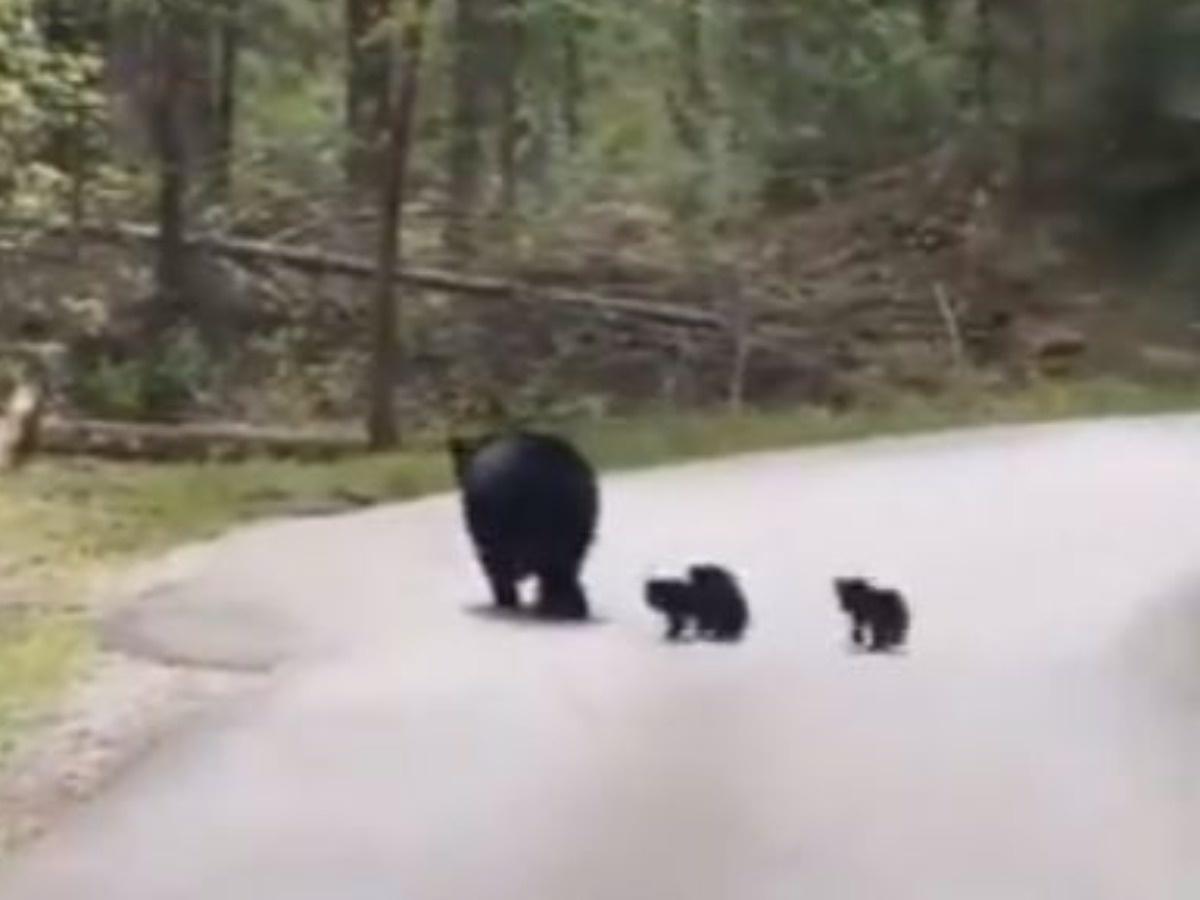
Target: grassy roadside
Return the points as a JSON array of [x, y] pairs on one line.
[[63, 524], [38, 658]]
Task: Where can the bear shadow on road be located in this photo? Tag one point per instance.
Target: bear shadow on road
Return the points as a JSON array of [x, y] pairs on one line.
[[852, 649], [527, 617]]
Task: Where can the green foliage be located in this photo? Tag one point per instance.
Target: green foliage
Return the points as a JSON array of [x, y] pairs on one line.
[[1147, 92], [797, 93], [703, 115], [820, 89], [291, 99], [156, 387], [1136, 129], [44, 92], [794, 94]]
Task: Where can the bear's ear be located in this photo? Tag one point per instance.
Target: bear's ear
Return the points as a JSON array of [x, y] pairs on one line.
[[463, 450]]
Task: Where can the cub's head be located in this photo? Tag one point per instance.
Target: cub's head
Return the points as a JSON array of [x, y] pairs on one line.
[[667, 594], [850, 592]]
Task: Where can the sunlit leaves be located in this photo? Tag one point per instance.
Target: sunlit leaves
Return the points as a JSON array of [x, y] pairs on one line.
[[42, 91]]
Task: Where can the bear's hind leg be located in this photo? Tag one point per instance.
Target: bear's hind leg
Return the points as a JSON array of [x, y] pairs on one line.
[[560, 595], [676, 623], [503, 583], [858, 630], [882, 637]]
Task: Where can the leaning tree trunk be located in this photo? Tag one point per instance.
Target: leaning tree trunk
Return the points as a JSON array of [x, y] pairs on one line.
[[382, 427]]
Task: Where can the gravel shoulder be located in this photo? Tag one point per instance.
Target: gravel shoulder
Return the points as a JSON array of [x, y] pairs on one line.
[[118, 709], [112, 719]]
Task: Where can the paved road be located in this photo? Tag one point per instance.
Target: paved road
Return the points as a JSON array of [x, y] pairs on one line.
[[1040, 740]]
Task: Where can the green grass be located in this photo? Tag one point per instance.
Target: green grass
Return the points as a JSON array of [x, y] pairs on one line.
[[39, 655], [64, 523], [93, 511], [651, 441]]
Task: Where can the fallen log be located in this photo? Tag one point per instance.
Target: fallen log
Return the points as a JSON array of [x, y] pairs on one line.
[[773, 323], [191, 442], [323, 262], [20, 428]]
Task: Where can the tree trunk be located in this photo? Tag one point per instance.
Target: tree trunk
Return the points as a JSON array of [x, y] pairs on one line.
[[692, 111], [510, 39], [933, 19], [369, 72], [382, 427], [1035, 114], [229, 39], [465, 150], [573, 86], [78, 177], [741, 333], [985, 57], [197, 56], [171, 155]]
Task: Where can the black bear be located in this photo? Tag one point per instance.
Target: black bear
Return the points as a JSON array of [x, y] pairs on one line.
[[877, 614], [710, 600], [531, 504]]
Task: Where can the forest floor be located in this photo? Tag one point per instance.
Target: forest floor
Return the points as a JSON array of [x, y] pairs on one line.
[[71, 532]]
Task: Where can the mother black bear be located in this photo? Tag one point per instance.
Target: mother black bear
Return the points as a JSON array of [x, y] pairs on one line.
[[531, 504]]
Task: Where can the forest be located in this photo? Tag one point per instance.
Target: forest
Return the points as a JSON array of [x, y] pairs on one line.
[[390, 215]]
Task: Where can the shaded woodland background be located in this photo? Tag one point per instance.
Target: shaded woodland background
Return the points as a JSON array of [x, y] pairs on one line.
[[403, 213]]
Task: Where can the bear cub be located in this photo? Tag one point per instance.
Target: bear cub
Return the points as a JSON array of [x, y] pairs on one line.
[[709, 603], [879, 617]]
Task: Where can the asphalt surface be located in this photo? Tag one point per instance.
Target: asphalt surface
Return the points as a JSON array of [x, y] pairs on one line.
[[1039, 739]]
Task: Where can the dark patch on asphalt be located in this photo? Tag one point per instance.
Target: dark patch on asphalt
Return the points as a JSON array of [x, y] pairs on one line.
[[187, 629], [527, 617]]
